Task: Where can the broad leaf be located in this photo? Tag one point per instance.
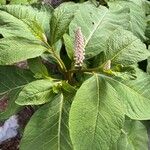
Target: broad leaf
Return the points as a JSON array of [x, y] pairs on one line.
[[136, 15], [11, 19], [141, 84], [2, 2], [147, 32], [12, 108], [134, 137], [97, 24], [125, 48], [61, 19], [12, 80], [36, 30], [36, 93], [23, 1], [136, 101], [17, 49], [48, 127], [96, 116]]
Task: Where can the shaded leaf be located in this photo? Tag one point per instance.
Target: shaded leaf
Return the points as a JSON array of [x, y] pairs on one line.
[[69, 46], [37, 67], [134, 137], [12, 78]]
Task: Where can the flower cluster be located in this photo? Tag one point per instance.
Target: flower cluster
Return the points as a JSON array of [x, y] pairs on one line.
[[79, 51], [107, 65]]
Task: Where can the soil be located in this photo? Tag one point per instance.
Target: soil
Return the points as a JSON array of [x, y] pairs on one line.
[[23, 118]]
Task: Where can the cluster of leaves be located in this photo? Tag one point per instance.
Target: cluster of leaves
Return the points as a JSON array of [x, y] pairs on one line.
[[87, 108]]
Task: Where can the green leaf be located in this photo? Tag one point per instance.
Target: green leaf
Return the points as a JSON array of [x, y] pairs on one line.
[[36, 30], [136, 15], [11, 26], [133, 95], [148, 65], [69, 45], [125, 48], [97, 24], [23, 1], [147, 32], [12, 108], [61, 19], [36, 93], [141, 84], [12, 78], [38, 68], [48, 127], [96, 116], [2, 2], [134, 137], [16, 49], [12, 16]]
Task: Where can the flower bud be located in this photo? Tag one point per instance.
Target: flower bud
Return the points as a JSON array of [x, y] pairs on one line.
[[107, 65]]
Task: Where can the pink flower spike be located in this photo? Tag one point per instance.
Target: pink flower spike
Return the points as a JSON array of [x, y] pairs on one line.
[[79, 48]]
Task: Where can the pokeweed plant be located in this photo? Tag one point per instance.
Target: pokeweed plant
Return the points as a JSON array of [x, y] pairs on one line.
[[81, 77]]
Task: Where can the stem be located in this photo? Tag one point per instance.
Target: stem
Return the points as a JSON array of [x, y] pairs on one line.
[[85, 70], [81, 1], [62, 65], [60, 62]]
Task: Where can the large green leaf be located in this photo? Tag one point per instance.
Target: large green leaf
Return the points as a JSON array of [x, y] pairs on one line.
[[97, 24], [125, 48], [23, 1], [11, 26], [96, 116], [48, 127], [12, 80], [12, 16], [148, 63], [141, 84], [136, 15], [134, 95], [12, 108], [147, 32], [2, 2], [36, 93], [61, 19], [17, 49], [134, 137]]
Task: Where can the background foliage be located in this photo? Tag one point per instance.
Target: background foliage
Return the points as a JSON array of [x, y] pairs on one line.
[[77, 108]]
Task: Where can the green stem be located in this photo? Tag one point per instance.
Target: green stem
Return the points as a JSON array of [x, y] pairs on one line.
[[85, 70], [81, 1], [60, 62]]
